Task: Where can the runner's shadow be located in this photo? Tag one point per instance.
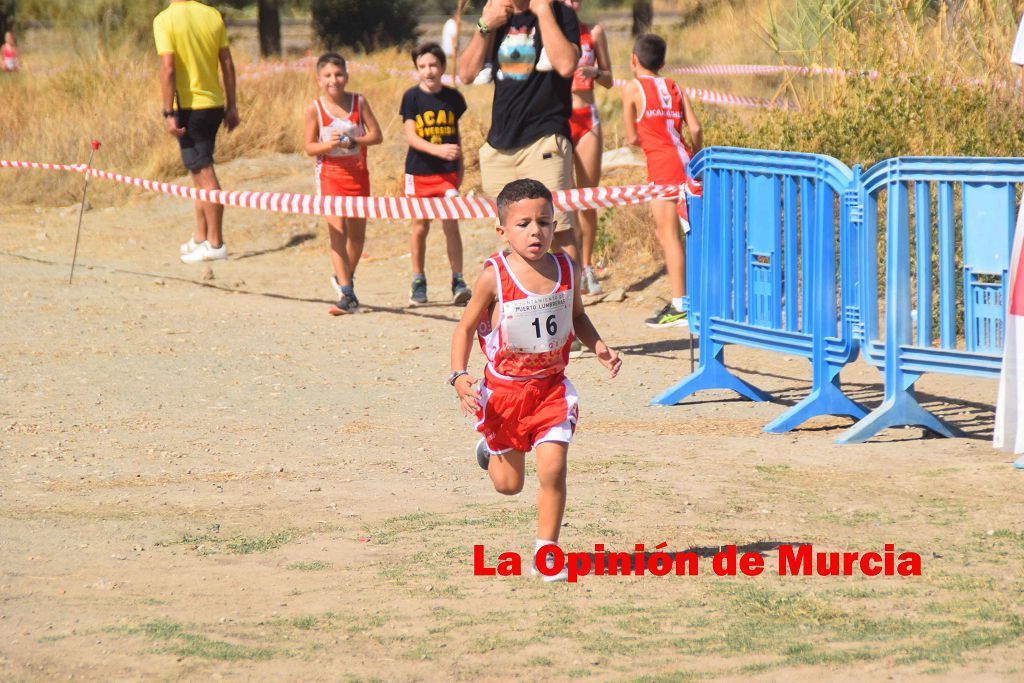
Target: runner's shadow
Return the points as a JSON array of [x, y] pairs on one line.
[[646, 282], [623, 560], [293, 241], [657, 349]]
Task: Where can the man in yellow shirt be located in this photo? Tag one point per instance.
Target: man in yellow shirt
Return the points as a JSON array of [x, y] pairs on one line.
[[192, 43]]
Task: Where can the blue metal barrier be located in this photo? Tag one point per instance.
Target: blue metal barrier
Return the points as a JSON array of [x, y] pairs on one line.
[[985, 191], [768, 275], [695, 208]]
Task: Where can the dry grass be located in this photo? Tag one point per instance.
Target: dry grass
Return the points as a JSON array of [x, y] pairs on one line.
[[72, 91]]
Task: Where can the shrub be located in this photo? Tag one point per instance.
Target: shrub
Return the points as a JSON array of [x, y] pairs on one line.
[[364, 25]]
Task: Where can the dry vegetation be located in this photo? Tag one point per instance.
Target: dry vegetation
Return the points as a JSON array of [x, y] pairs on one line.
[[71, 91]]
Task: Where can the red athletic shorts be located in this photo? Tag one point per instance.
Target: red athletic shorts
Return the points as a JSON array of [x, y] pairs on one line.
[[516, 415], [582, 121], [437, 185], [342, 180]]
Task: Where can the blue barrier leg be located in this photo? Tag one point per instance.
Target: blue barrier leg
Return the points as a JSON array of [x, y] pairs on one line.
[[710, 375], [828, 399], [896, 411]]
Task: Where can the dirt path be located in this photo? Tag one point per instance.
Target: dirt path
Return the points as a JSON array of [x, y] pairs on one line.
[[215, 479]]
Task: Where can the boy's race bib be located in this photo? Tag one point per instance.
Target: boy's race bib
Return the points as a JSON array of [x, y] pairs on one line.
[[538, 324]]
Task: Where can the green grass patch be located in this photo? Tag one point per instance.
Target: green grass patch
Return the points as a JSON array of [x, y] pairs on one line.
[[245, 545], [185, 644], [315, 566]]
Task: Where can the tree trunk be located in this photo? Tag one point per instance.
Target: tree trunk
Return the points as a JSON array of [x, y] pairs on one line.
[[270, 28], [643, 17], [6, 17]]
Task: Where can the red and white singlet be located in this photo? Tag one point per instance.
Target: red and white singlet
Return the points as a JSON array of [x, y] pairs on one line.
[[534, 331], [588, 58], [341, 171], [659, 124]]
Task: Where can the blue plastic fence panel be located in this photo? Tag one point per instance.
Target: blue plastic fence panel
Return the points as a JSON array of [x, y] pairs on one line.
[[760, 293], [986, 189]]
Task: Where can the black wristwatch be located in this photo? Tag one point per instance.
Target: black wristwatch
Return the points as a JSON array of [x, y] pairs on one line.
[[168, 112], [454, 376]]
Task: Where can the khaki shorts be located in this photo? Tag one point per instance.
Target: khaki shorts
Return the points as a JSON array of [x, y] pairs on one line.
[[548, 160]]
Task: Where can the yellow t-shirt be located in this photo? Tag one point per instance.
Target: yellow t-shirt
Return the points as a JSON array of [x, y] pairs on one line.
[[194, 33]]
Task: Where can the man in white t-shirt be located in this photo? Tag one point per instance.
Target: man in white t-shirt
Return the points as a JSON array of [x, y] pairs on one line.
[[449, 37]]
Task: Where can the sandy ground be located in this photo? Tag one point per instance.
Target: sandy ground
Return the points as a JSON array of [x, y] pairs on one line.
[[204, 475]]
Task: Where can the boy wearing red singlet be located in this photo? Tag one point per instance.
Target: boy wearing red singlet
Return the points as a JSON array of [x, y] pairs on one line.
[[10, 52], [339, 126], [526, 307], [433, 166], [655, 109]]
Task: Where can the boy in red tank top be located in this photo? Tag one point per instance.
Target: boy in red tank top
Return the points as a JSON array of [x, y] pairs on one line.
[[655, 110], [526, 307]]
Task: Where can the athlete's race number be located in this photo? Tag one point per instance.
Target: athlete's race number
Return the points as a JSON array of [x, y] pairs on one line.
[[538, 324], [551, 326]]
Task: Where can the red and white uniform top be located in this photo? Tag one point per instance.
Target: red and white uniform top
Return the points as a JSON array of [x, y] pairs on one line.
[[659, 124], [534, 331], [348, 127], [588, 58]]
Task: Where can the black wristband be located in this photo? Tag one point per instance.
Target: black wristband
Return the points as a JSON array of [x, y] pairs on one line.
[[168, 112]]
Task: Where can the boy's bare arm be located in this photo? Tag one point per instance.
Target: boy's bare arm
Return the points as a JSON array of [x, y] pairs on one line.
[[563, 54], [585, 331], [373, 134], [693, 123], [484, 295], [311, 129], [227, 66], [604, 60], [448, 152]]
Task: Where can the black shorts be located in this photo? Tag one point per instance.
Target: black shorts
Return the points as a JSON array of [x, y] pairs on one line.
[[200, 135]]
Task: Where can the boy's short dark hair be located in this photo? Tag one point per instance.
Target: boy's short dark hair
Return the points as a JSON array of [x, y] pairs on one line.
[[429, 49], [650, 51], [517, 191], [331, 58]]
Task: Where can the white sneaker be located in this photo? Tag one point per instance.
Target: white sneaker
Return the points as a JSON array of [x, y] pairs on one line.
[[189, 246], [336, 285], [590, 285], [204, 252], [550, 561]]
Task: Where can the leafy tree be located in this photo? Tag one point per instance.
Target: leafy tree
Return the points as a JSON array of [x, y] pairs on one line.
[[365, 25]]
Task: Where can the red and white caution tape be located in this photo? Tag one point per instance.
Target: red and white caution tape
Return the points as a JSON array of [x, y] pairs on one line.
[[765, 70], [393, 208]]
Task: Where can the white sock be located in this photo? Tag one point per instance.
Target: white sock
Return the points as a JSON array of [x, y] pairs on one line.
[[540, 543], [677, 303]]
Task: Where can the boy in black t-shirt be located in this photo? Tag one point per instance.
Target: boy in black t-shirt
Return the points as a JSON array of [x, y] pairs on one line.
[[433, 166]]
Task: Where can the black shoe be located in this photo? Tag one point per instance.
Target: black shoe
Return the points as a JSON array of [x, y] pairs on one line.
[[668, 317], [418, 294], [346, 304], [483, 454], [461, 293]]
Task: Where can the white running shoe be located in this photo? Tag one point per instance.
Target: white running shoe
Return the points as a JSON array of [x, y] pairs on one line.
[[590, 285], [204, 252], [550, 561], [189, 246], [337, 286]]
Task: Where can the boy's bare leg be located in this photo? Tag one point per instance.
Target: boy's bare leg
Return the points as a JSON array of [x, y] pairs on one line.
[[551, 468], [666, 227], [339, 253], [587, 162], [199, 235], [508, 472], [355, 228], [418, 244], [453, 240], [206, 179]]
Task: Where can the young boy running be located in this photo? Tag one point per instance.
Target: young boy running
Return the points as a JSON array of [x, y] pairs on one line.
[[433, 166], [526, 307], [654, 111]]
